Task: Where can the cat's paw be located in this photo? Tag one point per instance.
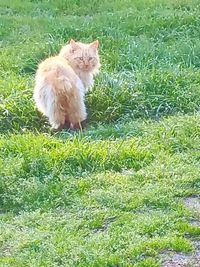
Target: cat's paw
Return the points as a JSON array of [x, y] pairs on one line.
[[78, 125]]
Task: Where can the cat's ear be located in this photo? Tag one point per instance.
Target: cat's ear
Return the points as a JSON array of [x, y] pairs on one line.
[[95, 44], [74, 45]]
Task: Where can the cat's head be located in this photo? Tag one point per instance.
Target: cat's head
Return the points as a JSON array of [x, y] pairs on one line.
[[82, 56]]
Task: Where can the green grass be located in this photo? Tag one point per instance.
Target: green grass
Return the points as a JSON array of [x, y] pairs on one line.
[[113, 194]]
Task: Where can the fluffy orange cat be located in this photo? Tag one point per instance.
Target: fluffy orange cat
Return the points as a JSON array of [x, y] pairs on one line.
[[61, 83]]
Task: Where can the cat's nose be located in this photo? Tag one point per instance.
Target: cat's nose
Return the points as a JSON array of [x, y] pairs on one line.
[[86, 63]]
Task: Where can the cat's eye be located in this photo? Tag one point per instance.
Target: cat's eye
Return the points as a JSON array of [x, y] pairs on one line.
[[90, 58], [81, 58]]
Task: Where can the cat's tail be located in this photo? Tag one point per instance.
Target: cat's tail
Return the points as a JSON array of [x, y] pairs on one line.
[[46, 102]]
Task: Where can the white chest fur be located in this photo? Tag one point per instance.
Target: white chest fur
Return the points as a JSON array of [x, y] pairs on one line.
[[87, 79]]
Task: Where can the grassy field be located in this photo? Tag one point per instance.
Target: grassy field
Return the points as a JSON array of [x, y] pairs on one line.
[[112, 195]]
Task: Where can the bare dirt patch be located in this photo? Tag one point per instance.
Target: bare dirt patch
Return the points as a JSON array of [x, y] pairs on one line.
[[193, 203], [181, 259]]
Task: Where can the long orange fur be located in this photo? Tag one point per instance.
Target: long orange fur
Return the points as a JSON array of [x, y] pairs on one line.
[[63, 80]]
